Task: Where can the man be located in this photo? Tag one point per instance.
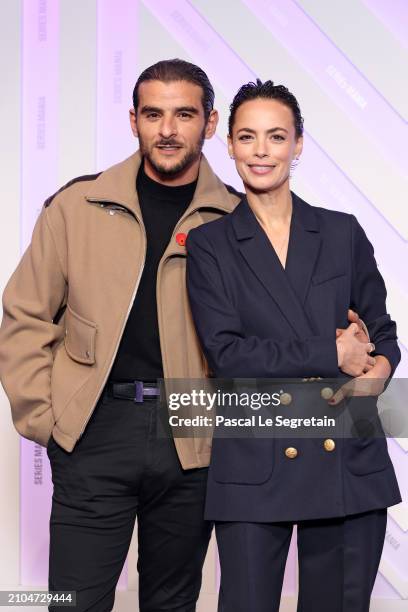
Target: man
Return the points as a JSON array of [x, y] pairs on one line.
[[94, 315]]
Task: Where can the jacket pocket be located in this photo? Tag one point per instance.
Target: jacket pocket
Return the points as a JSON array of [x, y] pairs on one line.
[[242, 461], [365, 457], [327, 275], [80, 336], [366, 452]]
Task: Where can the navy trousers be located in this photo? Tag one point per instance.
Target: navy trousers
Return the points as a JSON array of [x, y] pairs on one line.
[[338, 563], [119, 470]]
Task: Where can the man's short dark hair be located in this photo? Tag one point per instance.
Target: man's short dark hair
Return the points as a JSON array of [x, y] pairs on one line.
[[251, 91], [177, 70]]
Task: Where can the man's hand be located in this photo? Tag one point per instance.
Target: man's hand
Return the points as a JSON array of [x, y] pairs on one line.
[[362, 334], [353, 355]]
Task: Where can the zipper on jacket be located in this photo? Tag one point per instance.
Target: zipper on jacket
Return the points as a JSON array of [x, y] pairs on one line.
[[116, 206], [112, 206], [159, 273]]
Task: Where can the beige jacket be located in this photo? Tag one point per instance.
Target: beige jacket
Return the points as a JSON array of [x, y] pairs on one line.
[[87, 252]]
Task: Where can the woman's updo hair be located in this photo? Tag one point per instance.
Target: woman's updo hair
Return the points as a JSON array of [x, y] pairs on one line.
[[251, 91]]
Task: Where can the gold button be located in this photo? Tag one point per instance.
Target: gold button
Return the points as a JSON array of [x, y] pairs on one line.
[[327, 393], [291, 452], [329, 445], [285, 399]]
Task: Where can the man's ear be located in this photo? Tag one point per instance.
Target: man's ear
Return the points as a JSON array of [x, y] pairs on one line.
[[132, 119], [230, 149], [211, 125]]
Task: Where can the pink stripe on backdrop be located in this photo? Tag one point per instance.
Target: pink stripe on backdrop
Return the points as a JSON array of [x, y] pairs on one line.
[[117, 28], [335, 74], [40, 54], [201, 41], [40, 36]]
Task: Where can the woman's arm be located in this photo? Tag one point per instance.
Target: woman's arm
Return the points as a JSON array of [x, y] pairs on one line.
[[368, 298], [230, 352]]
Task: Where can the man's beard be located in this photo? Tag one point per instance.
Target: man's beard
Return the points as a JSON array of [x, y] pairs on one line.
[[170, 171]]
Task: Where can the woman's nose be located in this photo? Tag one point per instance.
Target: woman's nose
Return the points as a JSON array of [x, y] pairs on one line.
[[260, 152], [260, 149]]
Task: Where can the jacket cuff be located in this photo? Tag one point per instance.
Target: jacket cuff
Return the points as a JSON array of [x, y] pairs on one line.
[[391, 351], [323, 356]]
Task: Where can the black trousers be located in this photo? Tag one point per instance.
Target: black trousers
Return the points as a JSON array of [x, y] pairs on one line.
[[118, 470], [338, 563]]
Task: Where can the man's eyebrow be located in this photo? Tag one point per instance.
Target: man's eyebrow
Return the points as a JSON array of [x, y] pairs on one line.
[[271, 131], [150, 109], [188, 109], [181, 109]]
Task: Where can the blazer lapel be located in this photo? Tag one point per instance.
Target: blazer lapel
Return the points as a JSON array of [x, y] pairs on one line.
[[260, 256], [304, 247]]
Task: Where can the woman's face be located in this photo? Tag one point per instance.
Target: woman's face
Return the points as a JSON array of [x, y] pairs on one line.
[[264, 143]]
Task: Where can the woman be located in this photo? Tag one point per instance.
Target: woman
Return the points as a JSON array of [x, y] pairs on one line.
[[269, 285]]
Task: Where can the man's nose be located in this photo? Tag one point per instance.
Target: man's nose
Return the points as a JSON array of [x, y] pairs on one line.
[[168, 127]]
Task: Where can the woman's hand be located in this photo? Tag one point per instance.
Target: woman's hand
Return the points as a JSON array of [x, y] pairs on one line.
[[362, 334], [352, 354], [369, 384]]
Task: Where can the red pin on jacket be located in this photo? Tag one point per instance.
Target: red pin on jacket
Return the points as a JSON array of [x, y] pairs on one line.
[[181, 239]]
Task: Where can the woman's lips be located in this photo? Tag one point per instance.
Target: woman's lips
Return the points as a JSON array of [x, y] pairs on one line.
[[260, 169]]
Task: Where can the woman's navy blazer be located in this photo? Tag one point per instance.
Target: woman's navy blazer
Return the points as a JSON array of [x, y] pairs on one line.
[[256, 319]]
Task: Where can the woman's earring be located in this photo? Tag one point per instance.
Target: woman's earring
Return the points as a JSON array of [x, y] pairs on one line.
[[232, 157], [293, 165]]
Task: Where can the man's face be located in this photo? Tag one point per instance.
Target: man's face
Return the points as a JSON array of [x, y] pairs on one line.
[[171, 128]]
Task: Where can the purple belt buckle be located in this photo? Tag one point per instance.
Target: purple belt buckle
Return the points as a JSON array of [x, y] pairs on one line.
[[138, 392]]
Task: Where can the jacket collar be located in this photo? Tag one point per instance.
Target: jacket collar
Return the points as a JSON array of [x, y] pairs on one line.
[[118, 185], [288, 287], [245, 223]]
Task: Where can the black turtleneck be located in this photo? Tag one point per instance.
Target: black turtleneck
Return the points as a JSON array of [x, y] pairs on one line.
[[139, 355]]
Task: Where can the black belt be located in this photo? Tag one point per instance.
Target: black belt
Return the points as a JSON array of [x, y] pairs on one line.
[[138, 390]]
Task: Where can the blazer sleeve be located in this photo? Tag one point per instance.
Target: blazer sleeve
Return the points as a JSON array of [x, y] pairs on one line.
[[28, 334], [368, 297], [230, 352]]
